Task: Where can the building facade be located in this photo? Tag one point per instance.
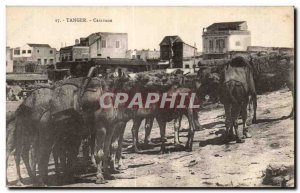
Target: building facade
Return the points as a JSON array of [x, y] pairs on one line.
[[143, 54], [98, 45], [108, 45], [39, 53], [9, 60], [220, 38], [74, 53], [175, 50]]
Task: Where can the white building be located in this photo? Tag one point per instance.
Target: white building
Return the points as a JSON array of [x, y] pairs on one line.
[[40, 53], [220, 38], [9, 60]]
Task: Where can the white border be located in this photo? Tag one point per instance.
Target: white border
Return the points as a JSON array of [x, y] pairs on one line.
[[114, 3]]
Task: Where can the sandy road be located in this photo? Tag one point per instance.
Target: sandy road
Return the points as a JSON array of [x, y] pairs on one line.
[[212, 163]]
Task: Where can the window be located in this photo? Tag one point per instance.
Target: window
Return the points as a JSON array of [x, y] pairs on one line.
[[51, 61], [38, 51], [23, 51], [222, 43], [45, 61], [98, 44], [39, 61], [117, 44], [103, 44], [238, 43], [16, 52], [29, 51], [218, 44], [211, 44], [51, 51]]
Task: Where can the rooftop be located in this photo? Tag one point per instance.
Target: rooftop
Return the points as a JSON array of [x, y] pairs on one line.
[[26, 76], [39, 45], [226, 26], [168, 39], [175, 39], [121, 62]]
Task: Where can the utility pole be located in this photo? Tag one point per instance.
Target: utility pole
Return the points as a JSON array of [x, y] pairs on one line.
[[194, 58], [171, 43]]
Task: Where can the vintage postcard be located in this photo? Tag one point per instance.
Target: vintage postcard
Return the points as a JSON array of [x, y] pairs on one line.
[[110, 97]]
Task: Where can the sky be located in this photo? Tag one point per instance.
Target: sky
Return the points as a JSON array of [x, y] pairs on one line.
[[146, 26]]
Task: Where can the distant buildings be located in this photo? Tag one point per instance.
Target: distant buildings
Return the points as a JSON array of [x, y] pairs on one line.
[[95, 46], [176, 51], [9, 60], [74, 53], [143, 54], [111, 50], [220, 38], [38, 53]]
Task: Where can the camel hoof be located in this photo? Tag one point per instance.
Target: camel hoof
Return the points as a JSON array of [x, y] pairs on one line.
[[114, 171], [148, 144], [19, 183], [100, 181], [108, 177], [135, 150], [227, 138], [188, 148], [120, 167], [178, 145], [199, 128], [161, 152], [240, 141], [41, 184], [249, 122], [247, 135]]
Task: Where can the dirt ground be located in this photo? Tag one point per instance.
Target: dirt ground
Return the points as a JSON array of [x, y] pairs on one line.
[[211, 163]]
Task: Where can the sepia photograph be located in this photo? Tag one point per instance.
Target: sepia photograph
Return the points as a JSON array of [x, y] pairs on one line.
[[150, 97]]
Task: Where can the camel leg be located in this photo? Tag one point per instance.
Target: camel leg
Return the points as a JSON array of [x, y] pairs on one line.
[[100, 135], [198, 126], [106, 150], [254, 98], [115, 146], [25, 157], [189, 143], [177, 125], [148, 128], [19, 147], [33, 154], [162, 128], [292, 112], [55, 154], [18, 160], [89, 140], [135, 133], [72, 152], [244, 118], [235, 113], [92, 144], [10, 146], [228, 125], [119, 150], [250, 112], [46, 140], [8, 152]]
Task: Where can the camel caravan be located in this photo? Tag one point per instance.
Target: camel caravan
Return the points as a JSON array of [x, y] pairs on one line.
[[90, 114]]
